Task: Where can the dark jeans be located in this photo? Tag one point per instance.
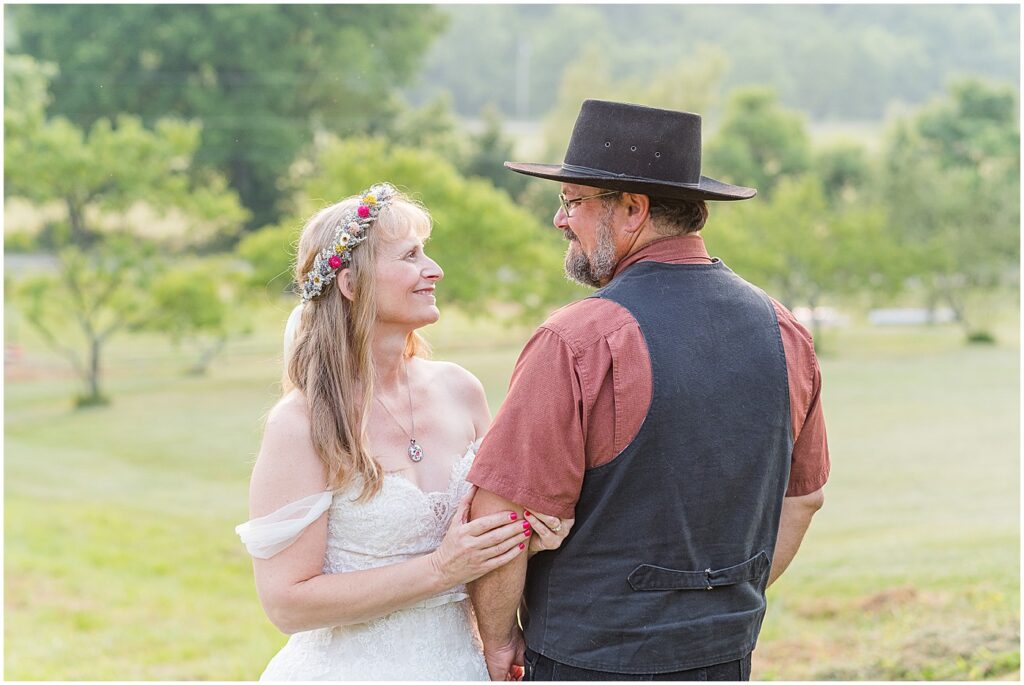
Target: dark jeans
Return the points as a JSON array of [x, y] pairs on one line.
[[539, 667]]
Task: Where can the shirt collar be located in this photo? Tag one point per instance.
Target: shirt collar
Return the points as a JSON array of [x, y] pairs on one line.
[[681, 249]]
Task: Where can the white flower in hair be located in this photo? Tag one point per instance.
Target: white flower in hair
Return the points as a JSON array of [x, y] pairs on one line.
[[350, 232]]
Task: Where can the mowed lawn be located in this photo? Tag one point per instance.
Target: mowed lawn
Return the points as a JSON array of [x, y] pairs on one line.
[[121, 561]]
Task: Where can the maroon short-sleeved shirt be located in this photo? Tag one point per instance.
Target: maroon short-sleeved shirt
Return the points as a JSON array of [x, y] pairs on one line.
[[582, 387]]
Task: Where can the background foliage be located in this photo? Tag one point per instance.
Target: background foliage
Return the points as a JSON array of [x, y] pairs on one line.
[[263, 78], [836, 62]]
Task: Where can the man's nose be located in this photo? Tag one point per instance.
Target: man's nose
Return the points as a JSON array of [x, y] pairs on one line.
[[561, 219]]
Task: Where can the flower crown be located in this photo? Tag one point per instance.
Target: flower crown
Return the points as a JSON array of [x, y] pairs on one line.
[[350, 232]]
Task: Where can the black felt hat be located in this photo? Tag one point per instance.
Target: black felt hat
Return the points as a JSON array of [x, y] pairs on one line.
[[636, 149]]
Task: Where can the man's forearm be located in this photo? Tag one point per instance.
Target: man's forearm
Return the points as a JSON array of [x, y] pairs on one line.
[[796, 517], [496, 595]]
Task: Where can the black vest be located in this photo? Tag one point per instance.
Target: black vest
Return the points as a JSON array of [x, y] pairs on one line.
[[666, 566]]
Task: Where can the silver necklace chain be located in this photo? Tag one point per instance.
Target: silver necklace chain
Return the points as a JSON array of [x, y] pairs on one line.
[[415, 451]]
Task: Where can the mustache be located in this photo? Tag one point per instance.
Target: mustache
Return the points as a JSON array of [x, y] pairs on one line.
[[569, 235]]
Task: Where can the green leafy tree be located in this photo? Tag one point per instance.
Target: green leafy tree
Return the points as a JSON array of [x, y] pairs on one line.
[[491, 250], [800, 249], [85, 299], [759, 141], [103, 256], [262, 78], [26, 94], [691, 84], [200, 307], [845, 62], [431, 126], [844, 170], [268, 252], [489, 150], [952, 187]]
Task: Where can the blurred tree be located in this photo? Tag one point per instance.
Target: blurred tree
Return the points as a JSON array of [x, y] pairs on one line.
[[269, 252], [263, 78], [844, 170], [26, 94], [759, 142], [88, 297], [588, 76], [200, 307], [510, 56], [103, 259], [800, 249], [488, 151], [491, 250], [952, 190], [836, 62], [431, 126], [691, 84]]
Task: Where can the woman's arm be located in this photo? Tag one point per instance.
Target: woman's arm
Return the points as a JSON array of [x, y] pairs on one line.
[[294, 592]]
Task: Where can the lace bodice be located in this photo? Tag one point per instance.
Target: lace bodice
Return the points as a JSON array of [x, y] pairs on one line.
[[433, 640], [400, 523]]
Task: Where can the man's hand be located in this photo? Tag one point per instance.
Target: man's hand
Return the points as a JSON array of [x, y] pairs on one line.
[[506, 661]]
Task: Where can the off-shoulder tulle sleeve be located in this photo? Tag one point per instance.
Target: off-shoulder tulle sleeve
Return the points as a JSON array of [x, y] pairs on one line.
[[266, 536]]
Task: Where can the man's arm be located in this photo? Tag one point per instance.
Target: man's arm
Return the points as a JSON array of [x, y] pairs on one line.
[[796, 517], [496, 597]]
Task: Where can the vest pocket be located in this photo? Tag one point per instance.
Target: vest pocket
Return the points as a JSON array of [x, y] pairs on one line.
[[647, 577]]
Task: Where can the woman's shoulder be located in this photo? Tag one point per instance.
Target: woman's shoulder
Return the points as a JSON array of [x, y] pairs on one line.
[[289, 420], [292, 408], [454, 378], [287, 466]]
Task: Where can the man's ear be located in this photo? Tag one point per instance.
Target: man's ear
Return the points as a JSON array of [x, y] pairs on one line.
[[637, 210], [344, 283]]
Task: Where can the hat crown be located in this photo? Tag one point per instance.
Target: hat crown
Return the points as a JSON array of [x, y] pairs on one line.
[[626, 140]]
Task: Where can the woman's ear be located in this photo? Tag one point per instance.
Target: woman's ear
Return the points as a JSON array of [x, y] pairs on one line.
[[344, 283]]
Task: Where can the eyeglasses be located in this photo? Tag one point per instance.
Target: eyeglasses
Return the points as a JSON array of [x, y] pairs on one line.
[[569, 205]]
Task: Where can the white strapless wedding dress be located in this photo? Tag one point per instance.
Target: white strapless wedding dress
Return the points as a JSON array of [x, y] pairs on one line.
[[433, 640]]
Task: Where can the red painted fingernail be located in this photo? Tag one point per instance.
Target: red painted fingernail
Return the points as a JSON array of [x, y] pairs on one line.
[[521, 545], [527, 533], [526, 524], [525, 513], [512, 516]]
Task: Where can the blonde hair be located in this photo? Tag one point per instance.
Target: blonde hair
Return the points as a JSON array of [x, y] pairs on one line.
[[331, 360]]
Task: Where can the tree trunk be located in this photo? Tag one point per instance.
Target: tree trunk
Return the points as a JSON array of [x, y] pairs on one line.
[[93, 396], [76, 221], [206, 356], [958, 308], [815, 322]]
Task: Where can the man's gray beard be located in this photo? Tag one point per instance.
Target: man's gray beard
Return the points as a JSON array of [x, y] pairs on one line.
[[592, 270]]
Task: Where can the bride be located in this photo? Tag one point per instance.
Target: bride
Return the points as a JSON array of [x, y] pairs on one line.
[[358, 501]]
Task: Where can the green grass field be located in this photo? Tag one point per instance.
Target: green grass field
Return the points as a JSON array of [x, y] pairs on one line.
[[121, 561]]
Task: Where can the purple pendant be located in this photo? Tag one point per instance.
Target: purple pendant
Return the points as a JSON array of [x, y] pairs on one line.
[[415, 451]]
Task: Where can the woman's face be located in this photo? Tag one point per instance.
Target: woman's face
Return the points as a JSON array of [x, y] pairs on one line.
[[405, 282]]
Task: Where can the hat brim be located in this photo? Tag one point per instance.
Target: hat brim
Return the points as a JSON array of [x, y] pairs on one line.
[[707, 189]]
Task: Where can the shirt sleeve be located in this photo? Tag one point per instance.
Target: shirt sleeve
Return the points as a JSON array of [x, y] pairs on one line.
[[809, 466], [534, 452], [810, 463]]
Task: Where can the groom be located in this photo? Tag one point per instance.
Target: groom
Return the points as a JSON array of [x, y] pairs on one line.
[[675, 413]]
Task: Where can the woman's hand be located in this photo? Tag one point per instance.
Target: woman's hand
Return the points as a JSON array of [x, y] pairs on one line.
[[548, 531], [471, 549]]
